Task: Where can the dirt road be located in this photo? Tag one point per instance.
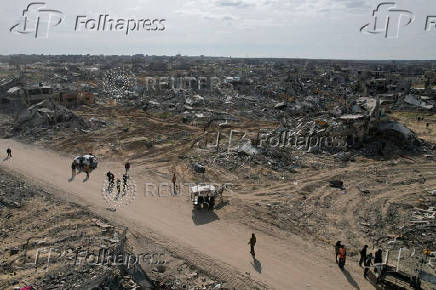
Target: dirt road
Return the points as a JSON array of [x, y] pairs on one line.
[[282, 263]]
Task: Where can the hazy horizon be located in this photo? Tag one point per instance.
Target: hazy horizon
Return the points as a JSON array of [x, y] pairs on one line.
[[288, 29]]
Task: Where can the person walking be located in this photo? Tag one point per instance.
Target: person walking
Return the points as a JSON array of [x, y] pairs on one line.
[[337, 247], [87, 169], [9, 152], [110, 179], [125, 178], [73, 170], [119, 186], [127, 167], [378, 262], [342, 256], [363, 255], [252, 243], [174, 183], [367, 265]]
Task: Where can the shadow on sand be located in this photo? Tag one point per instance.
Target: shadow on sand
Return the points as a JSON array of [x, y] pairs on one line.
[[257, 265], [6, 159], [222, 204], [350, 279], [203, 217]]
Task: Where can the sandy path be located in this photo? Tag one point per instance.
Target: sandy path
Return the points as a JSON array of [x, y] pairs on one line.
[[285, 264]]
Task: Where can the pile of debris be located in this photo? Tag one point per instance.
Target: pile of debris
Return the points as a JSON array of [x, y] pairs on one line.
[[45, 115]]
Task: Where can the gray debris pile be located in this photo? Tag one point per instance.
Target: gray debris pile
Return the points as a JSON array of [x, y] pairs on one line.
[[358, 128], [46, 116], [48, 113], [416, 102]]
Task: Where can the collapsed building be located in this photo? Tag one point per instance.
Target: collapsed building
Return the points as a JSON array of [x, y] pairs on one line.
[[37, 118]]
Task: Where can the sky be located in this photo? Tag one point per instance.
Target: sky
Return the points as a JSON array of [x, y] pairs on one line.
[[327, 29]]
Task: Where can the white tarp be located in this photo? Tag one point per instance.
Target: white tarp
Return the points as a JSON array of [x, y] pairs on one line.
[[87, 159], [203, 188], [412, 100]]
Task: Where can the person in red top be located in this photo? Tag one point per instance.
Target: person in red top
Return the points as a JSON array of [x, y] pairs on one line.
[[342, 256]]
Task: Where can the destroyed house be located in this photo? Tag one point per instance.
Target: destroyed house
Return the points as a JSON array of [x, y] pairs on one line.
[[6, 84], [34, 95], [9, 90], [12, 97], [71, 100]]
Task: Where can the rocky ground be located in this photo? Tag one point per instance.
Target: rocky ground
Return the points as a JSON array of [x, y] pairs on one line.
[[387, 200], [47, 243]]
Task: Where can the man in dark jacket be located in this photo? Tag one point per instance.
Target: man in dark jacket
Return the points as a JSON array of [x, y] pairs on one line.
[[9, 152], [378, 262], [363, 255], [252, 243], [367, 265]]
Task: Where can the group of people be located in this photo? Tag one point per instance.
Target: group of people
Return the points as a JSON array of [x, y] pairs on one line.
[[366, 260], [111, 180]]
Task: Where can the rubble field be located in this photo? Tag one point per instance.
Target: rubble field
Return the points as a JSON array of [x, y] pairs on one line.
[[47, 243], [325, 150], [284, 191]]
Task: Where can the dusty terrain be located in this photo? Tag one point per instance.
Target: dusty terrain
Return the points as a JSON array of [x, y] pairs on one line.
[[49, 243], [296, 214]]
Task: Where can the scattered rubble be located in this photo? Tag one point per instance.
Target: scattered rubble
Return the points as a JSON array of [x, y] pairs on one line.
[[42, 222]]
